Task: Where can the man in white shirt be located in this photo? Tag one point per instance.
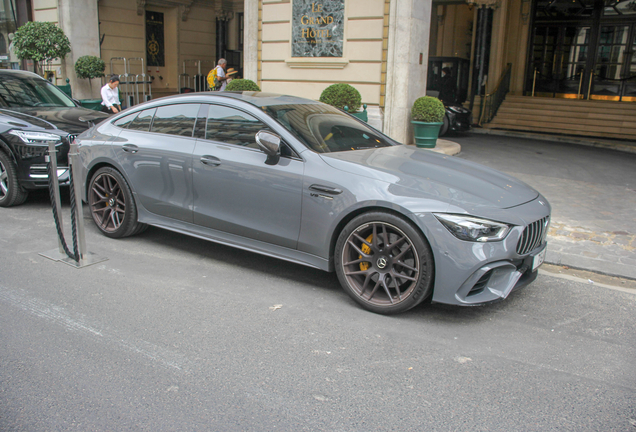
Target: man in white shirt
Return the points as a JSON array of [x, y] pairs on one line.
[[110, 96], [220, 73]]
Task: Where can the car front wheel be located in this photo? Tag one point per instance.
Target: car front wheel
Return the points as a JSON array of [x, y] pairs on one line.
[[112, 204], [11, 194], [384, 263]]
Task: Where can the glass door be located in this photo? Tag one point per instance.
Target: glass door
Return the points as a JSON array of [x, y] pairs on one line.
[[612, 65]]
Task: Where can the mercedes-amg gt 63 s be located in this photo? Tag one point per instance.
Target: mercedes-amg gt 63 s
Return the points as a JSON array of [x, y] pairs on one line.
[[304, 182]]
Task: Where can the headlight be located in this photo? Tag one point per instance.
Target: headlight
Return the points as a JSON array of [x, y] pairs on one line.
[[30, 137], [470, 228]]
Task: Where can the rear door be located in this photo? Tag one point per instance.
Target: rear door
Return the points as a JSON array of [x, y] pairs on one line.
[[155, 152]]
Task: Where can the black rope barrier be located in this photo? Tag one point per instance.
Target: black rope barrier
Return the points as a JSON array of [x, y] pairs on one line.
[[75, 253]]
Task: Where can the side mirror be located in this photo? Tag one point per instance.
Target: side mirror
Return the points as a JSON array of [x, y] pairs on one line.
[[268, 142]]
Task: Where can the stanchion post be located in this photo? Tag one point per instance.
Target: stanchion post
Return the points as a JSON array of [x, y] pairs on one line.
[[73, 157], [52, 159]]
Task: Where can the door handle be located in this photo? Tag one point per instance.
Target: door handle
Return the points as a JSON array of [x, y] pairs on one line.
[[210, 160], [130, 148], [325, 189]]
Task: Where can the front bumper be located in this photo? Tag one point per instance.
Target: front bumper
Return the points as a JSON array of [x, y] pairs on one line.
[[474, 273]]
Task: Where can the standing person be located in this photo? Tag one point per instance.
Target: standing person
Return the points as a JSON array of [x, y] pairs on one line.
[[110, 96], [447, 91], [220, 73]]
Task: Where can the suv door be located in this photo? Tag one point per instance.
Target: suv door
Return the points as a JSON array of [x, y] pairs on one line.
[[235, 191]]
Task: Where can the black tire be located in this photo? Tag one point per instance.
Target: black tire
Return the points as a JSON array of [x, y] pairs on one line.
[[384, 263], [11, 193], [444, 129], [112, 204]]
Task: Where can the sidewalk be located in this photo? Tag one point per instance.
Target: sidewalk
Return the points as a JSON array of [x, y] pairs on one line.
[[592, 191]]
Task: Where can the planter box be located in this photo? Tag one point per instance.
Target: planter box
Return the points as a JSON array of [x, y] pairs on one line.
[[94, 104], [362, 115], [426, 133]]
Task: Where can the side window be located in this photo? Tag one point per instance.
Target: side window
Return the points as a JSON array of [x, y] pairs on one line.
[[143, 120], [232, 126], [175, 119], [125, 120]]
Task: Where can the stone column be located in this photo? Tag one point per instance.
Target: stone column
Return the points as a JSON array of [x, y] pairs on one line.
[[78, 19], [250, 40], [407, 64]]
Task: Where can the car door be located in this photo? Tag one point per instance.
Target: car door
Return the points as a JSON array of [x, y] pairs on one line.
[[235, 190], [155, 152]]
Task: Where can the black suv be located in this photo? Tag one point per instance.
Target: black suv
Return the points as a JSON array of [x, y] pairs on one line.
[[34, 112]]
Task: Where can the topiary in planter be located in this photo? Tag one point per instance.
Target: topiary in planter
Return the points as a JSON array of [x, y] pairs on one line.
[[242, 85], [41, 42], [341, 95], [427, 118], [428, 109]]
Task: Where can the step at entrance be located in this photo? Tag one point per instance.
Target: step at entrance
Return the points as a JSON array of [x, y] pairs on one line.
[[601, 119]]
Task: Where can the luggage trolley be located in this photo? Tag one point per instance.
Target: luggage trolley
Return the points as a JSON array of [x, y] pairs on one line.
[[139, 80], [204, 86], [189, 83], [123, 80]]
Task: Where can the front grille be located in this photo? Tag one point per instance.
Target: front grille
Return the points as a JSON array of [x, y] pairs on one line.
[[533, 236]]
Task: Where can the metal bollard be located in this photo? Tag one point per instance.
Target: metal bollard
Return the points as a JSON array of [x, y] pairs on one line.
[[85, 258]]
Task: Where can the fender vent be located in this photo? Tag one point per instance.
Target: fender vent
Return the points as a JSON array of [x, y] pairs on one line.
[[479, 287]]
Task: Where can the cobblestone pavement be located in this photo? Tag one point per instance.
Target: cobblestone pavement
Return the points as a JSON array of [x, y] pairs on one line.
[[592, 192]]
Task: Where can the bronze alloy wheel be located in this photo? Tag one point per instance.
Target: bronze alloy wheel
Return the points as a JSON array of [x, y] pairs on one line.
[[107, 201], [381, 266], [112, 205]]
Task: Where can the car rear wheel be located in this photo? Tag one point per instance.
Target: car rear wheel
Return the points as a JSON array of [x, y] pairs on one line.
[[112, 205], [384, 263], [11, 194]]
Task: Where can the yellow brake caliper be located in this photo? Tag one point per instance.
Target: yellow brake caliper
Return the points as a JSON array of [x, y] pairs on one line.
[[367, 250]]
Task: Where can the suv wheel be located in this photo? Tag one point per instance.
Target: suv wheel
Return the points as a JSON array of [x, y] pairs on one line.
[[11, 194]]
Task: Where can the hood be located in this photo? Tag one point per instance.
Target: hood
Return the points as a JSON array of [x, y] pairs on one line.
[[63, 118], [459, 182]]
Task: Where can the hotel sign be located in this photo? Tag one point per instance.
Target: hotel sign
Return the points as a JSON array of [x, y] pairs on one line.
[[318, 28]]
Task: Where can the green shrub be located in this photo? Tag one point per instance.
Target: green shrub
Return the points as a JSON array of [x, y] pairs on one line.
[[40, 42], [89, 67], [242, 85], [428, 109], [341, 95]]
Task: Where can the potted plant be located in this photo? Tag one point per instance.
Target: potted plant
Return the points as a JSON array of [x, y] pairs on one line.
[[242, 85], [346, 97], [427, 118], [40, 42], [90, 67]]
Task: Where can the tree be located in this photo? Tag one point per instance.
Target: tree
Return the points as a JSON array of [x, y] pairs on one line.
[[40, 42], [89, 67]]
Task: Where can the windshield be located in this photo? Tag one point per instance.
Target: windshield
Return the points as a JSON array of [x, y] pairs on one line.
[[326, 129], [31, 92]]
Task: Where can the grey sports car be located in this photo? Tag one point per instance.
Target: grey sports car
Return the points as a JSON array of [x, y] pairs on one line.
[[304, 182]]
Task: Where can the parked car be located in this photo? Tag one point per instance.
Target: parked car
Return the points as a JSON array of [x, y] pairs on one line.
[[302, 181], [447, 80], [33, 112]]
